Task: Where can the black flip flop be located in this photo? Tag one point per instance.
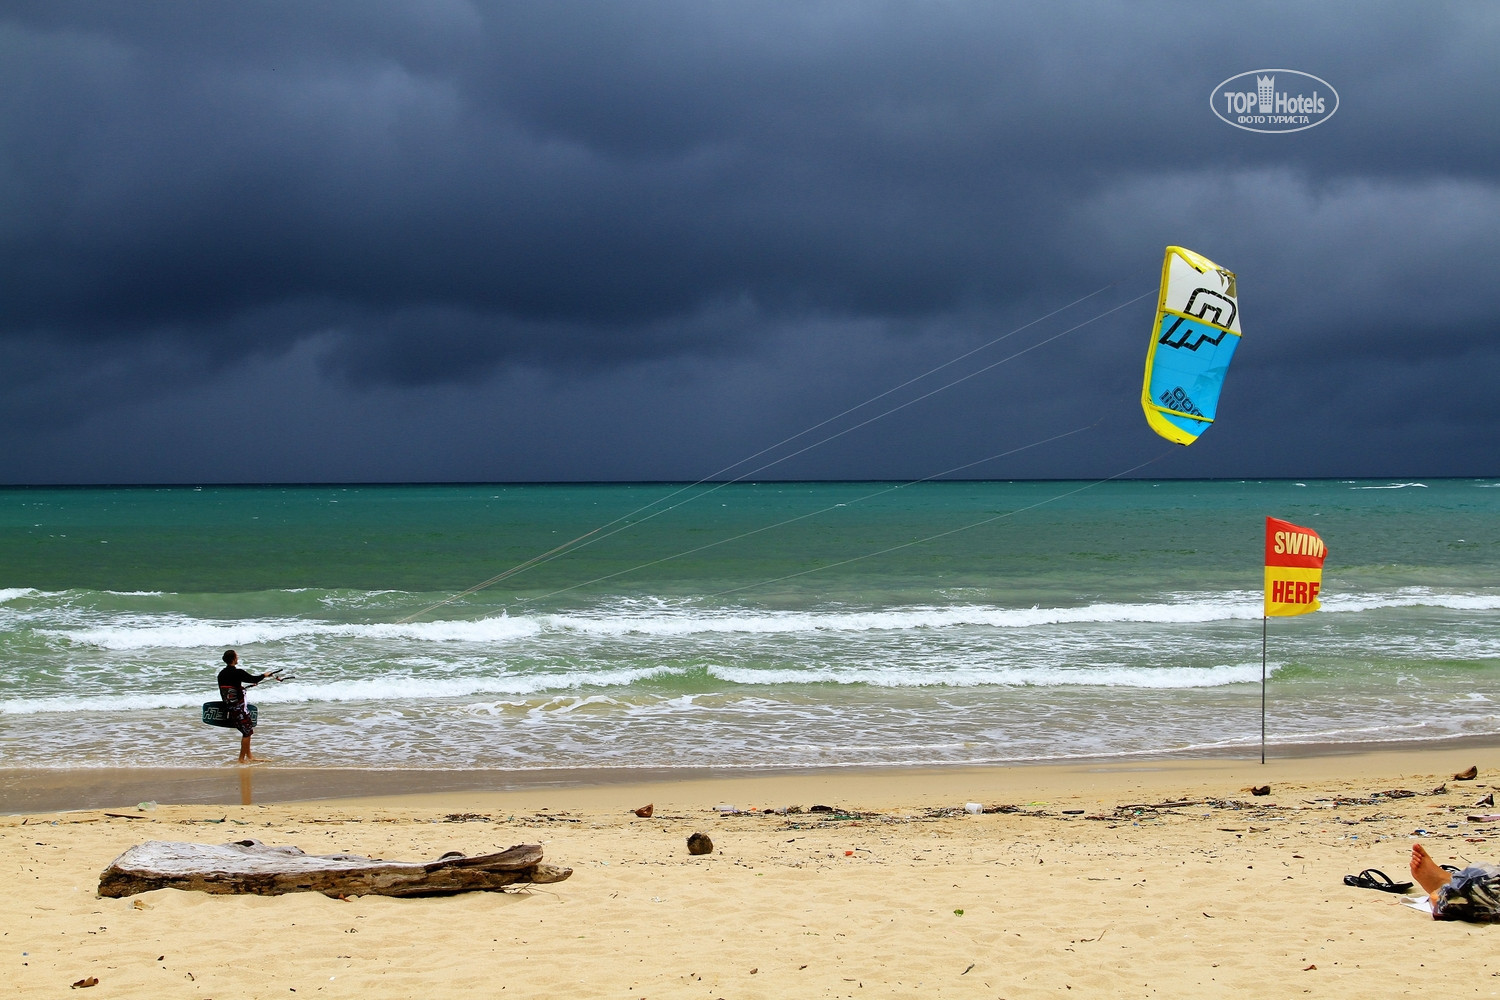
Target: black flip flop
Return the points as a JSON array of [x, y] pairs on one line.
[[1450, 869], [1374, 878]]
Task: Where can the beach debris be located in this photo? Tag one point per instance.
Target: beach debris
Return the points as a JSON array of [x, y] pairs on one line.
[[854, 818], [1173, 804], [699, 843], [1484, 818], [84, 984], [727, 809], [1487, 800], [1397, 793], [248, 866], [147, 806], [973, 808], [547, 817], [1468, 775], [1141, 808], [466, 818], [820, 809], [1440, 789], [939, 812], [1261, 790], [645, 811]]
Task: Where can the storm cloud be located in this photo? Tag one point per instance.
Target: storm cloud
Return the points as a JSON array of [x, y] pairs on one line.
[[473, 241]]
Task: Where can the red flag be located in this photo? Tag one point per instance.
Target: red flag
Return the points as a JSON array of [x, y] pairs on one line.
[[1294, 568]]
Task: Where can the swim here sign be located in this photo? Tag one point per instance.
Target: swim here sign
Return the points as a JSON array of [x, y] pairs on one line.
[[1294, 568]]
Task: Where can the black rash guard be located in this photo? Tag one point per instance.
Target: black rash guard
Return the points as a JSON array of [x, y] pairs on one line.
[[232, 678]]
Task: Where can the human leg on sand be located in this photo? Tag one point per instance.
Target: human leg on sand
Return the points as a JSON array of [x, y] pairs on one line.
[[1427, 872]]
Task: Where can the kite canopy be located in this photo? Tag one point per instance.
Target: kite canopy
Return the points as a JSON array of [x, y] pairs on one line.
[[1196, 331]]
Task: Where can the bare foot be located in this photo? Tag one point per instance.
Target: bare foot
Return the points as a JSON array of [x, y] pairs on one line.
[[1428, 873]]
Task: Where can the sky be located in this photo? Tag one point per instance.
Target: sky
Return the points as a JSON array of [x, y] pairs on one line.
[[444, 241]]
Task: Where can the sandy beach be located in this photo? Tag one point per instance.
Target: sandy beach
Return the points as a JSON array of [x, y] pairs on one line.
[[1150, 878]]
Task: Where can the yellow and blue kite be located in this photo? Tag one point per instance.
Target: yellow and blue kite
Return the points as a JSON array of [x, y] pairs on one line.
[[1196, 331]]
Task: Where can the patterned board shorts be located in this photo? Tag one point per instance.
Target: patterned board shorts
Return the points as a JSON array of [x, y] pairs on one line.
[[239, 715]]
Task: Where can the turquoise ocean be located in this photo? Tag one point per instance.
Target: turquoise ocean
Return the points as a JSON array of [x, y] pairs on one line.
[[741, 626]]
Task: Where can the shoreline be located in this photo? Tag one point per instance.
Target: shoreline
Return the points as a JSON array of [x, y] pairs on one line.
[[51, 790]]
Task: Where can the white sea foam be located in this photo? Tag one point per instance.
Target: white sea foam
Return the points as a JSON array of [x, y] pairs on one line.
[[491, 708], [1410, 598], [754, 727], [177, 632], [136, 631], [562, 706], [693, 622], [405, 689], [108, 703], [392, 689], [1160, 678], [11, 593]]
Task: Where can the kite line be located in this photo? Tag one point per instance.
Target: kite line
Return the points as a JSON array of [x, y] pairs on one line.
[[803, 517], [632, 518]]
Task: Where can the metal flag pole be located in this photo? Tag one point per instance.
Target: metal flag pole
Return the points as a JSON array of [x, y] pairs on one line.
[[1294, 556], [1263, 620]]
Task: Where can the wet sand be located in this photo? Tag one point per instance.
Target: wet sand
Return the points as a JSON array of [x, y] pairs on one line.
[[39, 789]]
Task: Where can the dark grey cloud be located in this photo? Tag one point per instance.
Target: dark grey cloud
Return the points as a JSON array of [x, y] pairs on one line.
[[656, 237]]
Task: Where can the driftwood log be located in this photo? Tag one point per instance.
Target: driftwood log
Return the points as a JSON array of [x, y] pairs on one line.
[[248, 866]]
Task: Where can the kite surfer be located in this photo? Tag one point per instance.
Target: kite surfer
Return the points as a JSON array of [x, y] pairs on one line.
[[232, 683]]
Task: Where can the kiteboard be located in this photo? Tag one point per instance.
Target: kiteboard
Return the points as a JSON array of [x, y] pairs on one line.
[[216, 713]]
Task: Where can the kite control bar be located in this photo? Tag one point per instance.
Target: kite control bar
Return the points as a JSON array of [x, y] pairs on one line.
[[277, 675]]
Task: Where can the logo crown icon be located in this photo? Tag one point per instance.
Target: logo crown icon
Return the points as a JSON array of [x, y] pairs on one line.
[[1266, 90]]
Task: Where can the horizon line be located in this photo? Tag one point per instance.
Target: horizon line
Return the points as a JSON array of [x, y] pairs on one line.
[[348, 484]]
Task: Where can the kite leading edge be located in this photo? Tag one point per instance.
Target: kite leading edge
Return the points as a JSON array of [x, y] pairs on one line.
[[1196, 331]]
